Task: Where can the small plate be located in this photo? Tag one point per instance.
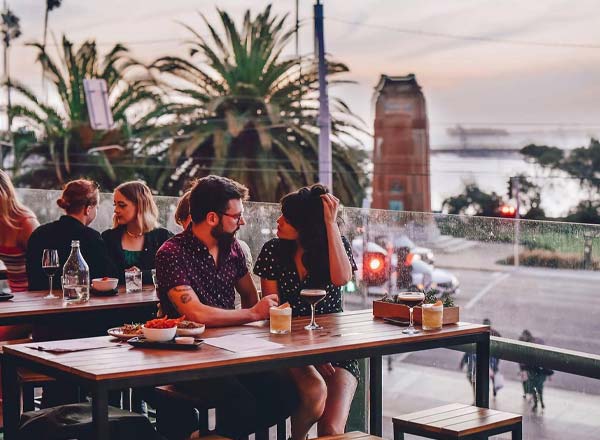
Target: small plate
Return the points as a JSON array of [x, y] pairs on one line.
[[141, 342], [190, 331], [6, 296], [111, 292], [117, 332]]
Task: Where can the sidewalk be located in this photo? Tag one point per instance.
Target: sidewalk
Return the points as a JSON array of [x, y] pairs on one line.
[[568, 415]]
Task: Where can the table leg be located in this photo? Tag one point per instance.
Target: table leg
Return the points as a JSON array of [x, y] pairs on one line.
[[100, 413], [375, 395], [482, 374], [11, 391]]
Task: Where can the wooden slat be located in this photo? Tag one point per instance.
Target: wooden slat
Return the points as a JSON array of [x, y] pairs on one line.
[[447, 418], [491, 422], [32, 304], [354, 435], [428, 412], [358, 330]]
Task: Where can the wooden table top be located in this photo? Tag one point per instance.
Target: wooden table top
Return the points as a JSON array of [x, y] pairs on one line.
[[341, 333], [31, 304]]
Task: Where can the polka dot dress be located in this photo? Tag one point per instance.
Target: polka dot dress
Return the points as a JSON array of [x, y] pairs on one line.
[[270, 266]]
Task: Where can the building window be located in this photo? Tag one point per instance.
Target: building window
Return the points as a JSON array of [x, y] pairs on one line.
[[396, 188], [396, 205]]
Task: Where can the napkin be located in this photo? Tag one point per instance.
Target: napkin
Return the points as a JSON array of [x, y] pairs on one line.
[[241, 343], [71, 346]]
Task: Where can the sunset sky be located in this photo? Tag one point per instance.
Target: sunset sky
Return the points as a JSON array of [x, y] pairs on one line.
[[487, 62]]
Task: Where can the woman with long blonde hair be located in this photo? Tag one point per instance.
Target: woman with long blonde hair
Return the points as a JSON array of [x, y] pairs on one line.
[[17, 222], [135, 236]]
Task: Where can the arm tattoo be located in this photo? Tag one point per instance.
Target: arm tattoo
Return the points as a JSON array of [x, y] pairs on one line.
[[185, 298]]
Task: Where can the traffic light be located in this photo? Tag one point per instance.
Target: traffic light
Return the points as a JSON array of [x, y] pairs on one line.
[[508, 211], [375, 271], [510, 187]]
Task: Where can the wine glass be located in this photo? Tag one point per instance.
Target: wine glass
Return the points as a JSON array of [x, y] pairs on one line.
[[50, 265], [411, 299], [312, 296]]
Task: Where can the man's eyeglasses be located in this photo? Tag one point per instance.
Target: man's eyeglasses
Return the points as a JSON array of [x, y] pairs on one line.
[[237, 217]]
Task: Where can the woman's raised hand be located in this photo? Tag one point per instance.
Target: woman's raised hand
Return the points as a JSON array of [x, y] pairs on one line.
[[331, 205]]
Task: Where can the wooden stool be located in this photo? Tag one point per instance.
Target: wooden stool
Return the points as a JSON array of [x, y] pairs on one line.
[[457, 421], [354, 435]]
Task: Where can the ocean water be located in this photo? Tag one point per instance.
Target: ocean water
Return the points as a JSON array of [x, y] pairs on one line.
[[489, 161]]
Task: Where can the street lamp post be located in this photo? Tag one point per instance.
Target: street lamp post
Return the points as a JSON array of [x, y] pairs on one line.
[[324, 119]]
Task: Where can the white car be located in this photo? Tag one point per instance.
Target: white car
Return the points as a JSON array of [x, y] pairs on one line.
[[428, 277], [426, 254]]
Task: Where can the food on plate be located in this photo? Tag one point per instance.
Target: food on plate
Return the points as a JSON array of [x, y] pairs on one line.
[[189, 324], [184, 340], [132, 329], [164, 322]]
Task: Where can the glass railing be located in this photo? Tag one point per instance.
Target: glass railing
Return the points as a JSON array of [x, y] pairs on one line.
[[534, 275]]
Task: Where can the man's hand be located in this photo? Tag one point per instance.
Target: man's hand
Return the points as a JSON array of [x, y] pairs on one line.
[[261, 308]]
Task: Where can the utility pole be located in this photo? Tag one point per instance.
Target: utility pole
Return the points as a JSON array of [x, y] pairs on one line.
[[324, 118], [516, 193]]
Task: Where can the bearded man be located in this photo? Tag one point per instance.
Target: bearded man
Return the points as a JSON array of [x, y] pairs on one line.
[[197, 272]]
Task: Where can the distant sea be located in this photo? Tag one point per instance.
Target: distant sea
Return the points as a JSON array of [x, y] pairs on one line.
[[489, 159]]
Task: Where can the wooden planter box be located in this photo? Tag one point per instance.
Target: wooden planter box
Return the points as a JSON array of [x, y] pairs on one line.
[[382, 309]]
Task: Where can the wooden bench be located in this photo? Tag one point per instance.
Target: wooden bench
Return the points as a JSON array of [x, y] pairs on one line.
[[354, 435], [457, 421]]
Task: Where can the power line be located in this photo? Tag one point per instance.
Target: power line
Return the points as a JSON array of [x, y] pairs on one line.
[[469, 37]]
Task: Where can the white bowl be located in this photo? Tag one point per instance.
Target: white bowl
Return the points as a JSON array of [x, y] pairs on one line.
[[159, 334], [191, 331], [104, 284]]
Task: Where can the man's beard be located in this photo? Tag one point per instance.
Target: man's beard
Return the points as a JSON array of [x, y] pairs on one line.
[[224, 239]]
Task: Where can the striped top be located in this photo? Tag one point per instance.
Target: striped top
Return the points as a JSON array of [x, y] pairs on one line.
[[16, 273]]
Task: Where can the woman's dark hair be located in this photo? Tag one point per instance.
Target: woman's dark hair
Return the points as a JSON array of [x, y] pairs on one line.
[[303, 209], [77, 195]]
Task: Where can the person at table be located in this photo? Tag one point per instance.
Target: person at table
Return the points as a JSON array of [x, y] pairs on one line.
[[197, 273], [17, 223], [184, 219], [79, 200], [310, 252], [135, 236]]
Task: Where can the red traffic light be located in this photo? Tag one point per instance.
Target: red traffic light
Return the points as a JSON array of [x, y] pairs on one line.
[[508, 211], [374, 268]]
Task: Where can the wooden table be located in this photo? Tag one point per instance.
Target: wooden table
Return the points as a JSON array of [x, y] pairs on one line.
[[29, 307], [347, 335]]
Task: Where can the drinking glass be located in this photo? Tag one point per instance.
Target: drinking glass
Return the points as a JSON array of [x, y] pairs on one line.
[[313, 297], [50, 265], [411, 299], [133, 281], [280, 320], [154, 281]]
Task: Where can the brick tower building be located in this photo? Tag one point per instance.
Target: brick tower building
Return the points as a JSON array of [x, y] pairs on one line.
[[401, 150]]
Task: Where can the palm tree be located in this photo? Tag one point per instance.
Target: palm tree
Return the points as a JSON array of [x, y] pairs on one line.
[[251, 114], [64, 133]]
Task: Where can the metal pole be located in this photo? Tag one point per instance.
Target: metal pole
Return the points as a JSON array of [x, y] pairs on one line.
[[324, 119], [517, 191]]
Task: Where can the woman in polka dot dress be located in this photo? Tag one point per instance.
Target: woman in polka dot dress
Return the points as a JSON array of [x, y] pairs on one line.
[[311, 253]]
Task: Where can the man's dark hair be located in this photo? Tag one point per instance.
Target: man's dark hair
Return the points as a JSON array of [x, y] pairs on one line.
[[212, 194]]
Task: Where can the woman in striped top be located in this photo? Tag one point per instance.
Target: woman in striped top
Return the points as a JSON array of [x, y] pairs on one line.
[[17, 222]]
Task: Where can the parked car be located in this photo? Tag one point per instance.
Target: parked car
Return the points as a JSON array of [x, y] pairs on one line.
[[426, 276], [426, 254]]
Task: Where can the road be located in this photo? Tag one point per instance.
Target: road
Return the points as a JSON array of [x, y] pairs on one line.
[[558, 306]]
